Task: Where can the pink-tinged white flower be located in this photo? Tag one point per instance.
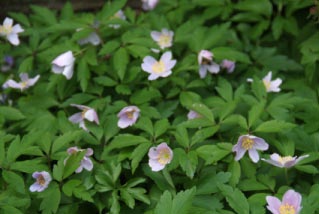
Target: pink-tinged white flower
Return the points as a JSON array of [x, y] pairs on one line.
[[251, 144], [159, 156], [228, 65], [271, 86], [7, 63], [25, 83], [118, 15], [86, 162], [64, 64], [205, 61], [193, 115], [164, 38], [285, 161], [87, 113], [10, 31], [290, 204], [42, 182], [161, 68], [149, 4], [128, 116]]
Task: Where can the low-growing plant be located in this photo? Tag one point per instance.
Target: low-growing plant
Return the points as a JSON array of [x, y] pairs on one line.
[[184, 106]]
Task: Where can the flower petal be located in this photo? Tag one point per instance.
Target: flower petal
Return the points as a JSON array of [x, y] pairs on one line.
[[253, 154], [273, 204]]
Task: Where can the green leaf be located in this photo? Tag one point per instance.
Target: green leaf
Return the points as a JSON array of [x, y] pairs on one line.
[[233, 196], [83, 74], [64, 140], [263, 7], [235, 170], [213, 153], [75, 187], [181, 136], [255, 113], [28, 166], [145, 124], [125, 140], [14, 181], [277, 26], [208, 182], [138, 154], [225, 90], [10, 113], [109, 47], [274, 126], [164, 204], [231, 54], [145, 95], [161, 127], [110, 8], [105, 81], [44, 15], [127, 198], [51, 199], [58, 170], [188, 161], [310, 169], [204, 111], [139, 194], [120, 61], [203, 133], [183, 201]]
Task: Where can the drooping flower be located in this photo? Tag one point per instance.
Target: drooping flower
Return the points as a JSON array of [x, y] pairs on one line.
[[290, 204], [11, 32], [159, 156], [271, 86], [149, 4], [25, 83], [164, 38], [7, 63], [42, 181], [228, 65], [64, 64], [86, 162], [205, 61], [285, 161], [128, 116], [86, 113], [118, 15], [193, 114], [251, 144], [161, 68]]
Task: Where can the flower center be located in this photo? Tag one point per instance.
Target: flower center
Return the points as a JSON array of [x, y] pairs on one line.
[[286, 209], [285, 159], [247, 143], [130, 114], [83, 113], [267, 84], [5, 29], [158, 67], [164, 156], [206, 61], [41, 180], [164, 40], [24, 84]]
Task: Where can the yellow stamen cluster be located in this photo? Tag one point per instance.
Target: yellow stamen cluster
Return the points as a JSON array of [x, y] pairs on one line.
[[247, 143], [83, 113], [130, 114], [5, 29], [158, 67], [286, 209], [41, 180], [285, 159], [164, 40], [267, 84], [164, 156]]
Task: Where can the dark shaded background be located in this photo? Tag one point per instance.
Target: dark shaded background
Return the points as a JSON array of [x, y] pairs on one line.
[[78, 5]]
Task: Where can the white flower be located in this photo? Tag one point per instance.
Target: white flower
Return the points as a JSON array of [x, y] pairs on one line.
[[193, 115], [25, 83], [159, 156], [285, 161], [11, 32], [87, 113], [161, 68], [163, 38], [128, 116], [43, 180], [205, 60], [86, 162], [64, 64], [271, 86], [149, 4]]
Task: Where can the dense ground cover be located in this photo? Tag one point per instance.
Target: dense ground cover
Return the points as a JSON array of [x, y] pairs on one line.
[[186, 106]]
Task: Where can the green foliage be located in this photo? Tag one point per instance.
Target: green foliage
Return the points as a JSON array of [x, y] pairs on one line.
[[200, 174]]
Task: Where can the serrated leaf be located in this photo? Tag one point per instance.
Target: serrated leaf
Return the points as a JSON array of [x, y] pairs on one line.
[[255, 113], [183, 201], [138, 154], [203, 133], [161, 127], [72, 163], [10, 113], [225, 90], [127, 198], [51, 199], [83, 74], [125, 140], [275, 126], [230, 54], [213, 153], [14, 181], [28, 166], [120, 61], [109, 47]]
